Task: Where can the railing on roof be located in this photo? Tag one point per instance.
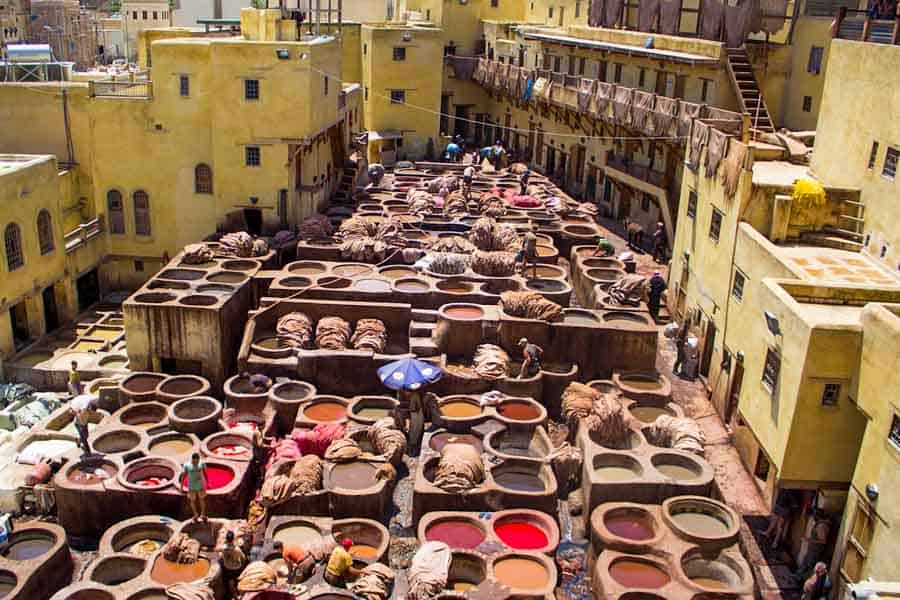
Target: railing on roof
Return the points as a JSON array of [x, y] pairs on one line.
[[85, 232], [122, 89], [860, 26]]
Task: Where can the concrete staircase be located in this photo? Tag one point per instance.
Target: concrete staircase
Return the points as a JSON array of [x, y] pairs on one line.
[[747, 89], [421, 328], [344, 192]]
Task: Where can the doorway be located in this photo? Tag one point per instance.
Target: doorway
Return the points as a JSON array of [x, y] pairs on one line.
[[562, 12], [709, 340], [461, 123], [51, 313], [551, 161], [18, 316], [734, 392], [88, 288], [253, 219]]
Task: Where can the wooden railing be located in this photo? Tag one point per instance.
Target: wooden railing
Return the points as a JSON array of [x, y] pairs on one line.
[[122, 89], [860, 26], [85, 232]]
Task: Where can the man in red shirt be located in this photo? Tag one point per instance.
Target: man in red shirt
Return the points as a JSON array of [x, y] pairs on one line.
[[299, 562]]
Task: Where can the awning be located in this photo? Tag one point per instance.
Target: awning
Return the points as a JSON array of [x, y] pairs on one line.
[[670, 55], [386, 134]]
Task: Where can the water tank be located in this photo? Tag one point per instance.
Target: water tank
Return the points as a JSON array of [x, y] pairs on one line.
[[29, 53]]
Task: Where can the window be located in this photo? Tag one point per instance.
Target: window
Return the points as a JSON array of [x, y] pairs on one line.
[[45, 232], [577, 9], [139, 266], [141, 212], [858, 542], [771, 369], [894, 435], [692, 204], [557, 64], [704, 90], [365, 49], [890, 162], [398, 96], [645, 202], [831, 394], [282, 207], [134, 15], [450, 50], [737, 287], [326, 85], [251, 89], [144, 15], [807, 103], [571, 65], [12, 240], [581, 65], [184, 86], [873, 153], [399, 53], [642, 76], [495, 3], [203, 182], [715, 225], [251, 156], [116, 212], [550, 13], [814, 65], [155, 15], [617, 73]]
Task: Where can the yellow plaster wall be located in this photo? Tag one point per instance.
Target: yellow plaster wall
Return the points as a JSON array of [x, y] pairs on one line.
[[808, 32]]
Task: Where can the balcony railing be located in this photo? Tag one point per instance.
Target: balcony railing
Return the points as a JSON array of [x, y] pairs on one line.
[[645, 174], [85, 232], [859, 26], [122, 89]]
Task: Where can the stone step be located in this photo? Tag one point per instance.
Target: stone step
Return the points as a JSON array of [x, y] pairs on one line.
[[421, 329], [424, 315], [422, 347]]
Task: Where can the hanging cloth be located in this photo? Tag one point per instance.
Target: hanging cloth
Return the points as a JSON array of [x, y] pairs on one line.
[[512, 81], [648, 15], [663, 115], [595, 13], [699, 139], [669, 16], [738, 21], [622, 105], [715, 151], [602, 98], [584, 94], [688, 111], [540, 87], [526, 80], [642, 104], [772, 14], [463, 67], [734, 164], [726, 120], [711, 17], [613, 12], [500, 73], [480, 70]]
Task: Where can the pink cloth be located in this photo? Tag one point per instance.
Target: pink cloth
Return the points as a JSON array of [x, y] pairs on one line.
[[316, 440], [285, 449]]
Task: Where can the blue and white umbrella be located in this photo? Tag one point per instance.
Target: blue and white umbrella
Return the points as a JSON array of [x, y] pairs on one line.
[[408, 374]]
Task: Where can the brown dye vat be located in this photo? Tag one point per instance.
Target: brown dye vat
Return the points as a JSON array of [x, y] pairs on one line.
[[172, 446], [648, 414], [162, 285], [334, 283], [545, 250], [28, 545], [297, 534], [295, 282], [271, 343], [397, 272], [116, 441], [460, 409], [180, 274], [240, 265], [325, 411], [116, 570], [519, 481], [353, 476], [227, 277], [439, 440], [521, 573], [638, 574], [612, 317], [579, 317], [603, 274], [307, 268], [710, 583], [464, 312], [545, 285], [413, 286], [519, 411], [375, 286], [169, 573], [544, 272], [455, 287], [700, 524], [579, 230], [91, 473], [616, 473], [215, 288], [198, 300], [144, 416], [677, 472], [499, 286], [8, 583], [351, 270], [647, 385], [182, 386], [155, 594], [141, 384], [629, 525], [204, 265]]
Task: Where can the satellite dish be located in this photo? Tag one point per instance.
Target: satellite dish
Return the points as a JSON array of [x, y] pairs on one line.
[[772, 323]]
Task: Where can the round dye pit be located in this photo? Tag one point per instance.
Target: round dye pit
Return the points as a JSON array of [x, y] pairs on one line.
[[717, 575], [397, 272], [648, 414], [615, 468], [353, 476], [114, 442], [521, 573], [518, 481], [116, 570], [352, 270], [240, 265], [455, 287], [676, 466], [171, 445], [456, 533], [439, 440], [642, 383], [152, 594], [579, 317], [218, 289], [142, 383], [271, 343], [364, 552], [374, 286], [297, 533], [546, 250], [232, 277], [143, 416], [169, 573], [292, 391], [8, 582], [150, 473], [466, 572], [545, 285], [28, 545], [521, 535], [91, 472], [547, 272], [325, 411], [306, 268], [519, 411], [198, 300], [411, 286], [296, 282], [180, 274], [227, 445], [633, 525], [217, 477], [464, 312], [638, 574], [700, 524], [498, 286], [625, 317], [182, 386], [460, 409]]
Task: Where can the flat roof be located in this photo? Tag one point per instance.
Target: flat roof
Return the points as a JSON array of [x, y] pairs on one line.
[[672, 55], [779, 173], [833, 266]]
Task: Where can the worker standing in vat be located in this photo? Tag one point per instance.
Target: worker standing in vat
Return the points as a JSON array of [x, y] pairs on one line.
[[528, 254], [416, 422], [531, 354], [340, 567], [523, 181], [260, 383], [74, 383], [659, 243], [300, 563], [468, 176], [604, 247], [233, 562], [195, 473], [657, 287], [82, 408]]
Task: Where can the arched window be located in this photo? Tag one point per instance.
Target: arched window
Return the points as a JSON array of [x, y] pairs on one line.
[[203, 183], [45, 232], [12, 240], [141, 212], [116, 212]]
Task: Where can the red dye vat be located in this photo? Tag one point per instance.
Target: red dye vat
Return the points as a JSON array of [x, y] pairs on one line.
[[216, 477], [456, 534], [151, 481], [247, 424], [230, 450], [636, 574], [629, 527], [521, 535]]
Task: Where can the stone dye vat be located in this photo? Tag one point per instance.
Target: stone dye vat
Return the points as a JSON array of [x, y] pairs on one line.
[[517, 529], [285, 399], [368, 409], [370, 538], [686, 546], [35, 562]]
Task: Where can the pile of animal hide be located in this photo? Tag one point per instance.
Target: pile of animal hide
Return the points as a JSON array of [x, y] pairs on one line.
[[429, 571], [602, 414], [332, 333], [307, 474], [491, 205], [196, 254], [679, 433], [529, 305], [627, 290], [343, 450], [290, 478], [489, 236], [387, 440], [190, 591], [494, 264], [450, 182], [284, 449], [567, 462], [460, 468], [256, 577], [318, 439], [453, 243], [448, 263], [370, 334], [491, 362], [517, 168], [316, 227], [420, 202], [296, 329], [368, 240], [568, 207], [238, 244], [455, 205], [577, 401], [181, 549], [374, 583]]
